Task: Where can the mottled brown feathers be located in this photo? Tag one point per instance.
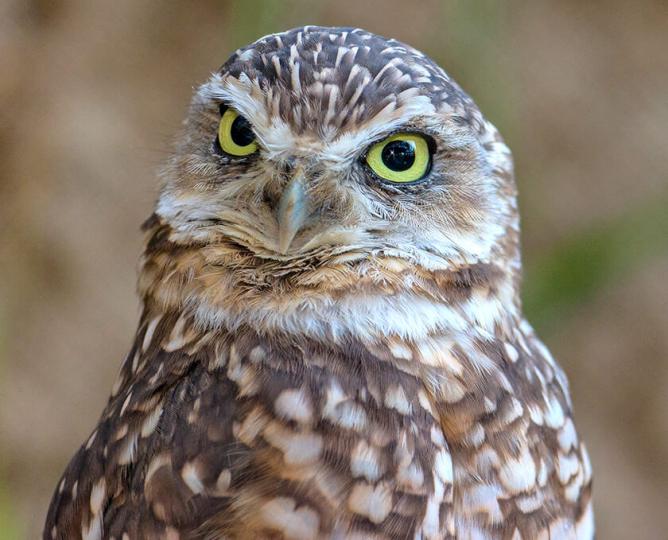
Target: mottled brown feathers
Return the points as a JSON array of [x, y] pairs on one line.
[[199, 438], [204, 432], [373, 379]]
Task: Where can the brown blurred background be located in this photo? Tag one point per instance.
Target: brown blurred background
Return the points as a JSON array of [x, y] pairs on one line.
[[92, 92]]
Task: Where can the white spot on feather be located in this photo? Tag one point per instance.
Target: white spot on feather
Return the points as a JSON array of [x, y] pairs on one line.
[[483, 499], [297, 448], [223, 483], [151, 421], [511, 352], [567, 437], [128, 450], [126, 403], [372, 502], [342, 410], [91, 439], [191, 477], [282, 514], [294, 405], [150, 329], [365, 461], [443, 466], [97, 496], [530, 503], [554, 413], [513, 412], [518, 474], [395, 398]]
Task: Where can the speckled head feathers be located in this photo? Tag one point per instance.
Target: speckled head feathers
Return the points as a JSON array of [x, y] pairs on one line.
[[342, 77]]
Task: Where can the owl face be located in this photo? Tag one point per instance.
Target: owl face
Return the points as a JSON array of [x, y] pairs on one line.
[[321, 154]]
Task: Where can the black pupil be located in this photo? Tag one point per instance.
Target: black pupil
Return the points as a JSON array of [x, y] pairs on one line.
[[241, 132], [399, 155]]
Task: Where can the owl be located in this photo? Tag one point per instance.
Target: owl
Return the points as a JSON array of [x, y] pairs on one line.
[[332, 342]]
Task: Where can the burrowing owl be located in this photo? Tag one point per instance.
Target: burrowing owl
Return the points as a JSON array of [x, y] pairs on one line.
[[332, 343]]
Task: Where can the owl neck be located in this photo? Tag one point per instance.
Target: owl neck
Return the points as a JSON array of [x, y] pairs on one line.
[[373, 299]]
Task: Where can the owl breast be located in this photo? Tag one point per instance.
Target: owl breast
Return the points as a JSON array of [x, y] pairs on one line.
[[239, 435]]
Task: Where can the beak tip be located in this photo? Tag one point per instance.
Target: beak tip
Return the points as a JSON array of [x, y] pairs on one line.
[[284, 246]]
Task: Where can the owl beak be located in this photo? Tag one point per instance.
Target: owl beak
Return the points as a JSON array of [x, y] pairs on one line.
[[292, 212]]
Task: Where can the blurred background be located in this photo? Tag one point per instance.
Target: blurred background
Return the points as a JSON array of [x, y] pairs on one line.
[[92, 92]]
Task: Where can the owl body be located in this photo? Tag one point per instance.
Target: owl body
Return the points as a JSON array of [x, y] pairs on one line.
[[329, 346]]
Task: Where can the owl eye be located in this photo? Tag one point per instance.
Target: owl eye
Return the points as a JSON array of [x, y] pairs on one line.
[[401, 158], [235, 134]]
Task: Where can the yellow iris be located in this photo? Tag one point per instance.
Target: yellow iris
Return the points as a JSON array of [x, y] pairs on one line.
[[401, 158], [235, 134]]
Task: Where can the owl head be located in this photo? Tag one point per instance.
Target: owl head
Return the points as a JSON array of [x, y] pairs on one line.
[[325, 168]]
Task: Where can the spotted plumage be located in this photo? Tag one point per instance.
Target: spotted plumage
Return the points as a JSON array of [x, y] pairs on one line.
[[324, 353]]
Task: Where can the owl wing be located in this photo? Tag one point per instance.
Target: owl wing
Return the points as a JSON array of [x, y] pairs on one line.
[[506, 413], [161, 457], [239, 436]]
